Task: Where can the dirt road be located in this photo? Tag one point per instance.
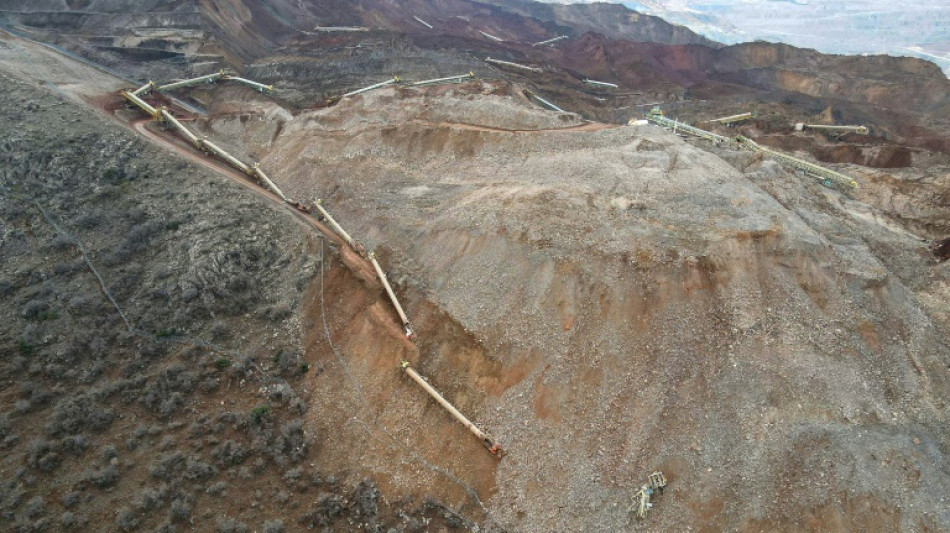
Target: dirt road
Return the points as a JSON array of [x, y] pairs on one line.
[[360, 266]]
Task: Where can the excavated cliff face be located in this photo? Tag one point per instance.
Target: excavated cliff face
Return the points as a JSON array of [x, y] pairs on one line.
[[883, 81], [609, 302], [613, 20], [903, 99]]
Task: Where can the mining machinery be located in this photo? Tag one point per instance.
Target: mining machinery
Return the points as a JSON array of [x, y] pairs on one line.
[[544, 102], [656, 482], [860, 130], [511, 64], [450, 79], [732, 119], [392, 295], [487, 440], [390, 81], [829, 177], [657, 117]]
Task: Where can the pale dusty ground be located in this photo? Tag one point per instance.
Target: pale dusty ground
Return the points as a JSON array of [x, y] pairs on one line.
[[637, 303], [611, 302]]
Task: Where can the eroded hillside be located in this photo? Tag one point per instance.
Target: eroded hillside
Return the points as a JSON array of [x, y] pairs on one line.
[[631, 303], [154, 372], [607, 300]]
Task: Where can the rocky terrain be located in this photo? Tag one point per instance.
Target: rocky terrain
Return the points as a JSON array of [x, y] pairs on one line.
[[607, 300], [915, 28], [154, 374]]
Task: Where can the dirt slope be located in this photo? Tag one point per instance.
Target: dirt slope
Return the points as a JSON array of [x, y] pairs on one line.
[[633, 303], [606, 300], [151, 347]]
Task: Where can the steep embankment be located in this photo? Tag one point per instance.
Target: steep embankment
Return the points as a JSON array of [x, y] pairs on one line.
[[151, 347], [607, 301], [629, 303]]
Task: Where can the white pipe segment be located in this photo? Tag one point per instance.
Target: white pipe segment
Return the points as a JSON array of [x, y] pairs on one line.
[[601, 83], [334, 224], [549, 41], [141, 103], [181, 127], [340, 28], [257, 85], [863, 130], [443, 402], [441, 80], [389, 289], [545, 102], [210, 78], [226, 156], [732, 118], [394, 79], [424, 23], [268, 183], [510, 64], [492, 37]]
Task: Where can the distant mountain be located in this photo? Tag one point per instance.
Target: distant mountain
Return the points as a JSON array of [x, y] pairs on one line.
[[610, 19], [915, 27]]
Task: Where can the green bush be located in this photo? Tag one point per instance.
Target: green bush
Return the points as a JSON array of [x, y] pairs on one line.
[[260, 413], [24, 347]]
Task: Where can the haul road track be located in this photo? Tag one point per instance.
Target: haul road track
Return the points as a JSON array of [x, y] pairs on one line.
[[82, 83]]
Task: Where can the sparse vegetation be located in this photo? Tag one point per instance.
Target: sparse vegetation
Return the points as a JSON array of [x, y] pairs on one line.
[[25, 348], [259, 414], [225, 524], [228, 453], [179, 511], [104, 477], [157, 381], [126, 519], [76, 414], [273, 526]]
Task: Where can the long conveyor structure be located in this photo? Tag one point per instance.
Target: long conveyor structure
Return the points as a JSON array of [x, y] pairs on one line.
[[210, 78], [337, 227], [818, 171], [170, 119], [449, 79], [544, 102], [390, 81], [731, 119], [392, 295], [162, 114], [223, 74], [656, 116], [860, 130], [487, 440], [512, 64], [829, 176]]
